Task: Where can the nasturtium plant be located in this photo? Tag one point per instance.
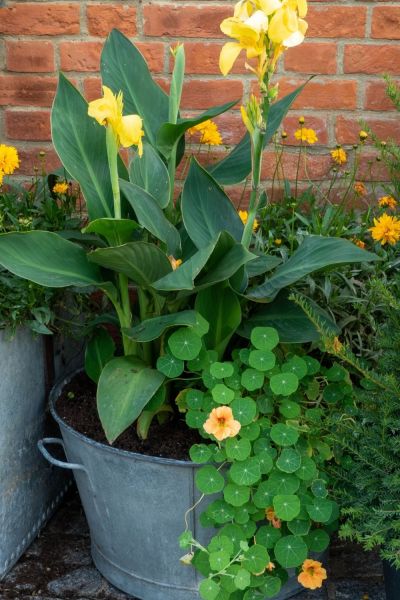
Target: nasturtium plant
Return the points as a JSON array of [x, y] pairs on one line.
[[262, 462]]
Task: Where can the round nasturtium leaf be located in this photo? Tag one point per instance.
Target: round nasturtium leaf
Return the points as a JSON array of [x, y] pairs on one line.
[[244, 410], [282, 483], [284, 384], [264, 338], [242, 579], [237, 449], [251, 431], [268, 536], [320, 510], [200, 453], [219, 560], [336, 373], [185, 344], [295, 365], [244, 354], [237, 495], [333, 393], [220, 512], [284, 435], [317, 540], [208, 589], [286, 507], [318, 488], [262, 360], [266, 462], [221, 542], [256, 558], [222, 394], [299, 526], [220, 370], [209, 480], [262, 498], [242, 516], [289, 460], [233, 381], [313, 365], [271, 586], [170, 366], [290, 551], [252, 380], [235, 534], [307, 470], [208, 380], [246, 472], [195, 419], [195, 399], [249, 529], [289, 409]]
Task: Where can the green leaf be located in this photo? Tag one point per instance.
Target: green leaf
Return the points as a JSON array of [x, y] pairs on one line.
[[195, 399], [185, 344], [219, 560], [124, 68], [151, 217], [256, 558], [200, 453], [150, 173], [268, 536], [320, 510], [283, 435], [208, 589], [252, 380], [290, 551], [237, 449], [209, 480], [220, 306], [281, 483], [242, 579], [125, 386], [142, 262], [185, 539], [170, 134], [289, 409], [262, 264], [220, 511], [80, 142], [271, 586], [221, 542], [318, 488], [222, 394], [264, 338], [152, 329], [116, 231], [170, 366], [200, 197], [195, 419], [47, 259], [284, 384], [244, 410], [99, 351], [237, 165], [299, 527], [289, 460], [265, 460], [237, 495], [262, 360], [308, 469], [263, 496], [246, 472], [315, 253], [317, 540], [295, 365], [220, 370], [286, 506]]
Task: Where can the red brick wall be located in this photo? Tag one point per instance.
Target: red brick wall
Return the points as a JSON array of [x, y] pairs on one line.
[[349, 45]]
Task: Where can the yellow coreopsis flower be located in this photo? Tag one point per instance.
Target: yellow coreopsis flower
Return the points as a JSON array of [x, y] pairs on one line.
[[339, 156], [9, 160], [388, 201], [306, 135], [60, 188], [244, 216], [108, 111], [386, 230], [209, 133]]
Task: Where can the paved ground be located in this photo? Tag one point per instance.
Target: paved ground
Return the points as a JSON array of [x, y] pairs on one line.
[[58, 567]]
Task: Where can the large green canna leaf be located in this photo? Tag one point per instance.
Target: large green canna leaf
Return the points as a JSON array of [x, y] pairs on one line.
[[140, 261], [99, 351], [315, 253], [126, 385], [206, 209], [116, 231], [151, 329], [150, 173], [220, 306], [237, 165], [170, 134], [47, 259], [124, 68], [151, 217], [80, 143]]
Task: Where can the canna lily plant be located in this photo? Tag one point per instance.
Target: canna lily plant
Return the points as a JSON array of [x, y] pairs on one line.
[[184, 267]]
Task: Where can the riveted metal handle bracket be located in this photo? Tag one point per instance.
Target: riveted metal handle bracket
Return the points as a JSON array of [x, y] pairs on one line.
[[54, 461]]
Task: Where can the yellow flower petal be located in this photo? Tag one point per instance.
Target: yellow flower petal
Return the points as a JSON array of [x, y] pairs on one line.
[[130, 132], [269, 6], [229, 53]]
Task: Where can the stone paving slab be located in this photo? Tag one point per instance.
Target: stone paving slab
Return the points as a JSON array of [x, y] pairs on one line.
[[58, 566]]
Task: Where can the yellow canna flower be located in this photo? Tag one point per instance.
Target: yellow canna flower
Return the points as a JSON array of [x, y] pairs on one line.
[[249, 33], [60, 188], [108, 111], [244, 215], [388, 201], [306, 135], [287, 26], [386, 230], [339, 156], [175, 262]]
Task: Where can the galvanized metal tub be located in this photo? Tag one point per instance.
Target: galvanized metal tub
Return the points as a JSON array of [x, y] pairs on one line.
[[135, 506], [30, 489]]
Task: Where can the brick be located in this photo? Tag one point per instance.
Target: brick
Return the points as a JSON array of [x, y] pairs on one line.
[[312, 166], [27, 90], [347, 128], [25, 18], [376, 98], [386, 22], [336, 21], [329, 94], [202, 94], [231, 128], [30, 57], [153, 52], [203, 58], [291, 124], [92, 88], [184, 20], [102, 18], [30, 159], [362, 58], [24, 125], [318, 58], [80, 56]]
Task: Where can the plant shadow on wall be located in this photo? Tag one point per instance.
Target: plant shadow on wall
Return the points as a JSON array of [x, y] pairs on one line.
[[184, 278]]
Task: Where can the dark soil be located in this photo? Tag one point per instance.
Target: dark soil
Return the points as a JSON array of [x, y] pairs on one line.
[[77, 407]]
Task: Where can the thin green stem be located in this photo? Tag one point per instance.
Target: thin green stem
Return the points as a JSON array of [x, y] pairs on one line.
[[257, 149], [112, 155]]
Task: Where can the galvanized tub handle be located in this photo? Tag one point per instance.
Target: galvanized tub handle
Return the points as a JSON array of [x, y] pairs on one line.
[[54, 461]]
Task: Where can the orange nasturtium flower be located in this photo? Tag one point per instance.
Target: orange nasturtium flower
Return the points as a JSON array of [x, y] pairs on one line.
[[108, 111], [312, 574], [339, 156], [358, 243], [270, 566], [272, 518], [388, 201], [221, 423], [386, 230], [306, 135], [244, 215]]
